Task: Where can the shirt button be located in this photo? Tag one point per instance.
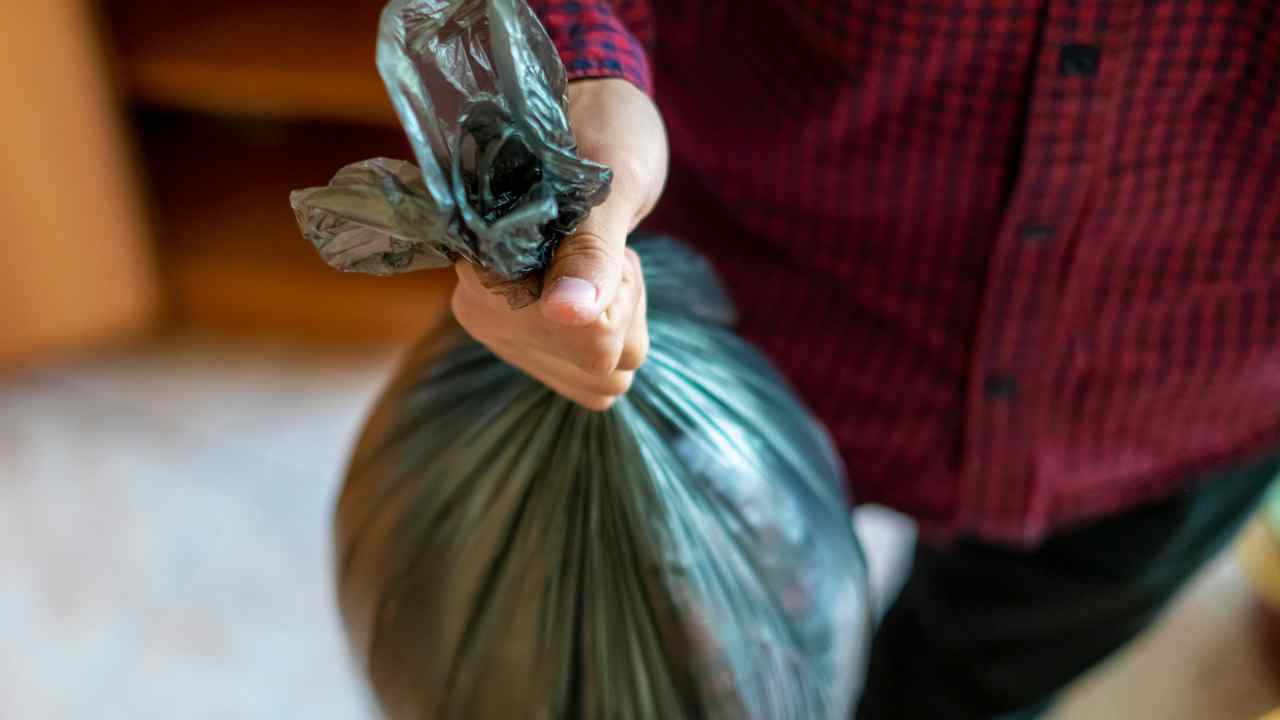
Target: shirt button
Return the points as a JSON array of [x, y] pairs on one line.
[[1000, 387], [1035, 233], [1079, 60]]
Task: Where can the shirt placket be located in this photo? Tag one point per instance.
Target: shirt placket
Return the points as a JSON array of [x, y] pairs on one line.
[[1019, 338]]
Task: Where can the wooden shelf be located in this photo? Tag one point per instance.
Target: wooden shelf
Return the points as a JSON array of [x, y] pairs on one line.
[[310, 59], [239, 297], [75, 261], [230, 246], [270, 97]]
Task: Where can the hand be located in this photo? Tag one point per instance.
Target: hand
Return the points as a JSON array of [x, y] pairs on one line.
[[588, 334]]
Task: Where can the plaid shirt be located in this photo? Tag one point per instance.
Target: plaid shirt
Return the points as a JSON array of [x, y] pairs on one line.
[[1021, 256]]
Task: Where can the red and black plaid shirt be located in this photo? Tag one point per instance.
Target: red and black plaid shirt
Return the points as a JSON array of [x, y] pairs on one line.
[[1022, 256]]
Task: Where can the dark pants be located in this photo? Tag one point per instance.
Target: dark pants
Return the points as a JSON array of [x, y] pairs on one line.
[[983, 631]]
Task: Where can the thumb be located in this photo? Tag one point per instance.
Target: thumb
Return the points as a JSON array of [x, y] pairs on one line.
[[585, 272]]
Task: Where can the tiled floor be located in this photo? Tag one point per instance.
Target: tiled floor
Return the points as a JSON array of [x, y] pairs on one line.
[[164, 543]]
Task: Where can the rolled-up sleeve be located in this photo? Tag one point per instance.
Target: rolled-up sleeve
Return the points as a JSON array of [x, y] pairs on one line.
[[598, 38]]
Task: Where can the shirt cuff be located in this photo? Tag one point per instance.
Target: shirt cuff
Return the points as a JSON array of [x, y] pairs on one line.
[[593, 42]]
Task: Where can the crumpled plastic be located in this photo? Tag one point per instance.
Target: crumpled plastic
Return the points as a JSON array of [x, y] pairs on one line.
[[504, 553], [480, 91]]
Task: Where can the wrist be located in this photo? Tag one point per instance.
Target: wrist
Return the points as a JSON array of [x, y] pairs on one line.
[[619, 126]]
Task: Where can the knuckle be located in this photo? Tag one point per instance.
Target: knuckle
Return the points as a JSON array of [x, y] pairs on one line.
[[634, 355], [462, 309], [598, 403], [586, 248], [619, 383], [603, 355]]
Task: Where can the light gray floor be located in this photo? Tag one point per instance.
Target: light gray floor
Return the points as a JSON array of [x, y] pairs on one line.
[[164, 544], [164, 535]]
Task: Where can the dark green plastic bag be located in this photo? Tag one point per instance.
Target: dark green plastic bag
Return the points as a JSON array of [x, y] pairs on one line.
[[503, 553]]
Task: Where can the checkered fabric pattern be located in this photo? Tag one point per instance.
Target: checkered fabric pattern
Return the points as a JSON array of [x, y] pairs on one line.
[[1022, 257]]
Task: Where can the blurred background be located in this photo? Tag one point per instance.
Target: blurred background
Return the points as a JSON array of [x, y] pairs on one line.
[[181, 378]]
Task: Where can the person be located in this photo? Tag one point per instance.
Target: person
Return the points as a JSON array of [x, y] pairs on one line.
[[1022, 258]]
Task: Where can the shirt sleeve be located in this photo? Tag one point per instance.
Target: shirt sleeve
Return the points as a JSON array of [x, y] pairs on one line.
[[600, 38]]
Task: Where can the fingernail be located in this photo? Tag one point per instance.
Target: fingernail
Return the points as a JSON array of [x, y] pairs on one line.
[[572, 291]]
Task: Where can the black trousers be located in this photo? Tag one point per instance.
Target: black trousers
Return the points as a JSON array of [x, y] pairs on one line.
[[983, 631]]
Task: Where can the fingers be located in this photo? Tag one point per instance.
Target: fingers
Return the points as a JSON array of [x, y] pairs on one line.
[[583, 279], [594, 392], [635, 347], [588, 396], [598, 348], [592, 365], [587, 334], [595, 349], [616, 125]]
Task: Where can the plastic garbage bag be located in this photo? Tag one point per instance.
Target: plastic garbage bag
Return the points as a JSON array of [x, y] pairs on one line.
[[504, 553]]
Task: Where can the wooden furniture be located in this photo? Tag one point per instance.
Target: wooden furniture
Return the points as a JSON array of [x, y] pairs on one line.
[[148, 152], [241, 101], [75, 262], [286, 59]]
